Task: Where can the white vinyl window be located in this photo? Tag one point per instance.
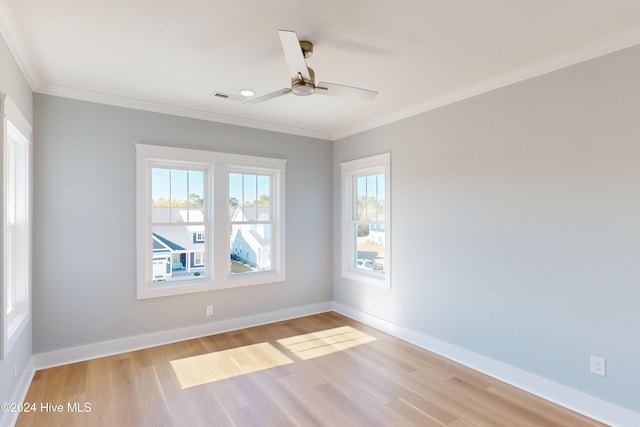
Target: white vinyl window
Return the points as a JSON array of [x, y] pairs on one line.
[[366, 212], [255, 222], [187, 231], [16, 217], [178, 212]]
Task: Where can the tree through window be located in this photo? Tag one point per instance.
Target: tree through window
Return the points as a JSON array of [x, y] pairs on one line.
[[251, 217], [200, 212], [366, 219]]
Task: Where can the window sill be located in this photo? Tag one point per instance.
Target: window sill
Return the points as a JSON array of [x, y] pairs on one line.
[[165, 289], [373, 279]]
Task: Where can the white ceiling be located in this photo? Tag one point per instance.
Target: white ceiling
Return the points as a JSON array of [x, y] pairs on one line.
[[172, 55]]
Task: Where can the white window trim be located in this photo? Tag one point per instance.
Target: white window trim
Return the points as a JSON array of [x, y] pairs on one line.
[[216, 199], [350, 169], [14, 321]]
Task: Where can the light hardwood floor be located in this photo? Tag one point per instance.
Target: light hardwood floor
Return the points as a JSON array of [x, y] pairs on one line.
[[321, 370]]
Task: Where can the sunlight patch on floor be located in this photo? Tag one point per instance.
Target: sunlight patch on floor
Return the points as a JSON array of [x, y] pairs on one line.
[[325, 342], [220, 365]]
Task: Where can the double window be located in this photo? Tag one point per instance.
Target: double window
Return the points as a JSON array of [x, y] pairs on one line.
[[207, 220], [366, 209], [16, 218]]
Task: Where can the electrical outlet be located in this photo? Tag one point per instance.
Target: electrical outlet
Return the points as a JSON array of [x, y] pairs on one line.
[[209, 310], [598, 366]]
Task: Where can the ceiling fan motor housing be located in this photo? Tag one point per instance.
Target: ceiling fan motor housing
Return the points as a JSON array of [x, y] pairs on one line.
[[303, 87], [307, 48]]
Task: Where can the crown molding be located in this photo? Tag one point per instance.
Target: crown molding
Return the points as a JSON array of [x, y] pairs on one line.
[[11, 34], [585, 53], [138, 104]]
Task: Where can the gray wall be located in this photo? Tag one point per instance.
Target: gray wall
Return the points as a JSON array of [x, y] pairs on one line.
[[84, 254], [516, 225], [13, 83]]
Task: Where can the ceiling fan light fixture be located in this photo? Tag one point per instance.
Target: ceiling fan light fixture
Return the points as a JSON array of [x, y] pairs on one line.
[[302, 88], [247, 92]]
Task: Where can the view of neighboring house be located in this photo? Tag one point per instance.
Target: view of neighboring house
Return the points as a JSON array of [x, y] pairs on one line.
[[370, 243], [178, 249], [251, 241], [376, 235]]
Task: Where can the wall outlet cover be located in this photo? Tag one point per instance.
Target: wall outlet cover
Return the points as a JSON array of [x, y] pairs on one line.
[[598, 366]]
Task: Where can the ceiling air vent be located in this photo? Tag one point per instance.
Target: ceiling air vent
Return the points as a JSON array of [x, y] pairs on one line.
[[228, 96]]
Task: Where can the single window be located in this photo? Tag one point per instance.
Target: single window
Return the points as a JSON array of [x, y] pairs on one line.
[[185, 227], [16, 215], [366, 219], [198, 237], [178, 214], [252, 222], [198, 259]]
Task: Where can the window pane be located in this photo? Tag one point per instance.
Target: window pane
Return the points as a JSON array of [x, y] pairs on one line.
[[372, 186], [179, 188], [377, 196], [380, 187], [177, 195], [10, 176], [177, 253], [196, 189], [264, 191], [250, 203], [370, 198], [160, 190], [361, 198], [252, 194], [9, 260], [369, 247], [250, 248], [250, 190], [235, 193]]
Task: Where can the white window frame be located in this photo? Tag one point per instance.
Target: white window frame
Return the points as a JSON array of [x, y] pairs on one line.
[[16, 248], [276, 222], [147, 287], [378, 164], [218, 165]]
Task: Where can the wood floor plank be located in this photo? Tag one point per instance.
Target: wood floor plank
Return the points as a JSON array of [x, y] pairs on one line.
[[294, 406], [342, 373]]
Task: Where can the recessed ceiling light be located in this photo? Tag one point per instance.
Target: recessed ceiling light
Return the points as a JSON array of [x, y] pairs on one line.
[[247, 92]]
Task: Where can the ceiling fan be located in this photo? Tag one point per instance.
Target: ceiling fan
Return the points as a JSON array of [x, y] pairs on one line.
[[303, 78]]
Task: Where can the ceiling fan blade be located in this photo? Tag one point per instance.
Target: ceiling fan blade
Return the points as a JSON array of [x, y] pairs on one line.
[[293, 54], [268, 96], [324, 88]]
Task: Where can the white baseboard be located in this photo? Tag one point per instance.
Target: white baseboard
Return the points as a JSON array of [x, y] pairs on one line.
[[577, 401], [123, 345], [8, 419]]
